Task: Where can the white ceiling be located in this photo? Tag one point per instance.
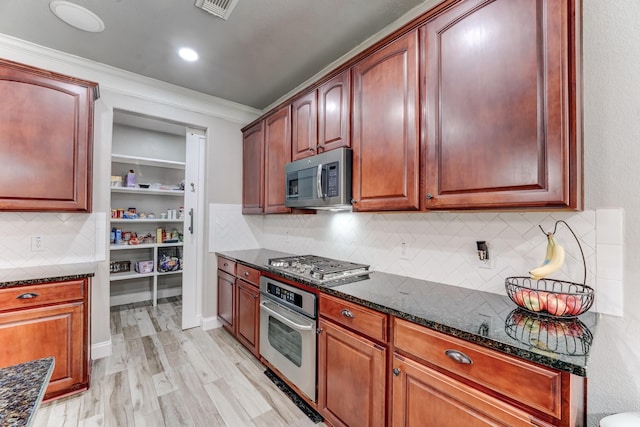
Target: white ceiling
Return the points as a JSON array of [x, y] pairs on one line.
[[265, 49]]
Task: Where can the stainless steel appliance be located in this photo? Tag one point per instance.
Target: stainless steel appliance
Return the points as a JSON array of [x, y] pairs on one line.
[[319, 270], [322, 181], [288, 332]]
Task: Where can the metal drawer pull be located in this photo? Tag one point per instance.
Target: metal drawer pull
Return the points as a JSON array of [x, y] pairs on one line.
[[459, 357], [396, 372], [28, 295], [246, 273], [347, 313]]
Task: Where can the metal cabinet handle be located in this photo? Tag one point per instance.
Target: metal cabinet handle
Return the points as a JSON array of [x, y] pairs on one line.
[[191, 220], [429, 196], [27, 295], [246, 273], [347, 313], [319, 182], [459, 357], [396, 372]]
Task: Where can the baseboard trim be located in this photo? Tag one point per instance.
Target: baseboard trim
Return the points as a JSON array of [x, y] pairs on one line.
[[210, 323], [101, 350]]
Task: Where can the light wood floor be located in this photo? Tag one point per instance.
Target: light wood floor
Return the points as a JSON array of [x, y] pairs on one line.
[[159, 375]]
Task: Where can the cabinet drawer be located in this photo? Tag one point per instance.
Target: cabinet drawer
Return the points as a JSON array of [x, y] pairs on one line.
[[366, 321], [41, 294], [248, 274], [227, 265], [535, 386]]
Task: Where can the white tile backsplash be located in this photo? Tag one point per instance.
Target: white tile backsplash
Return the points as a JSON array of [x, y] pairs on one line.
[[439, 246], [69, 238]]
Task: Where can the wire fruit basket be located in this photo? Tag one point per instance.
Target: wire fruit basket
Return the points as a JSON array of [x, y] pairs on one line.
[[550, 297]]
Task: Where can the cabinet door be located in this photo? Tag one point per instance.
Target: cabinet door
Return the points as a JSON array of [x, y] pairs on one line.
[[422, 396], [304, 128], [58, 331], [334, 108], [277, 155], [351, 378], [385, 128], [247, 315], [226, 300], [46, 131], [253, 170], [500, 114]]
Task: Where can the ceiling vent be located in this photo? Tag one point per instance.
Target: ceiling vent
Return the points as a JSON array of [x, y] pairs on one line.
[[219, 8]]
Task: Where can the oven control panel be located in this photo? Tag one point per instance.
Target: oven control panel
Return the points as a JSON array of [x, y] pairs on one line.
[[285, 294], [292, 297]]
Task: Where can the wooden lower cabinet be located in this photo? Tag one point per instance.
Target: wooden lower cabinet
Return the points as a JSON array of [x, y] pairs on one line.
[[49, 319], [425, 397], [248, 315], [226, 292], [351, 377], [239, 302]]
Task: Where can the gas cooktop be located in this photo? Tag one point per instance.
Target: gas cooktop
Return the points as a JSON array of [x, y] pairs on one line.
[[318, 269]]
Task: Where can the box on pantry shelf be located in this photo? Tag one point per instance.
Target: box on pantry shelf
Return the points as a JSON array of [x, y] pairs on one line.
[[144, 266], [119, 266]]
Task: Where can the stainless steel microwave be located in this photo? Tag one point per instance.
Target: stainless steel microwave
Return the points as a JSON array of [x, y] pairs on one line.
[[322, 181]]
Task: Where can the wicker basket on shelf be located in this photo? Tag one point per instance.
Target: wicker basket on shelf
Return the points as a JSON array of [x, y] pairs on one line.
[[550, 297]]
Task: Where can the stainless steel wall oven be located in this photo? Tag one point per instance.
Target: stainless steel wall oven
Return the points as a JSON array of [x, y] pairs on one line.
[[288, 332]]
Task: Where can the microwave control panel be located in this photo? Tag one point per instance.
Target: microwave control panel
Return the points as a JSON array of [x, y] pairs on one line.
[[333, 180]]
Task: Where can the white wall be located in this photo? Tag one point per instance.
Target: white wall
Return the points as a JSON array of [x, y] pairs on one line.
[[612, 152]]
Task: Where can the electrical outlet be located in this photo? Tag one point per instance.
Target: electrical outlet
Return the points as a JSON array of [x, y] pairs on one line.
[[487, 263], [37, 244], [403, 251]]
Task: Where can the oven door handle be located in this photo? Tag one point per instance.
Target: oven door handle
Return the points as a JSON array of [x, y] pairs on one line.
[[297, 326]]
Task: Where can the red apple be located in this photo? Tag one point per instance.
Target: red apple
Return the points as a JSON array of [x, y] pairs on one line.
[[533, 302], [574, 305], [555, 305], [519, 297]]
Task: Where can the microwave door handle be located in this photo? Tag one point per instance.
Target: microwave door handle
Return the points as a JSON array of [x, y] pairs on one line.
[[319, 182]]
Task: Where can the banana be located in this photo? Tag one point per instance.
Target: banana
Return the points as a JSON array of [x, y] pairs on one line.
[[551, 244], [553, 260]]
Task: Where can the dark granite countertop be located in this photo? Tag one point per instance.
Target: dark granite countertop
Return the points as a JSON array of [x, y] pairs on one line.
[[21, 390], [487, 319], [14, 283]]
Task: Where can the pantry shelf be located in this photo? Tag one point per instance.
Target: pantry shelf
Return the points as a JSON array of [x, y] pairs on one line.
[[114, 277], [145, 221], [147, 191], [147, 161]]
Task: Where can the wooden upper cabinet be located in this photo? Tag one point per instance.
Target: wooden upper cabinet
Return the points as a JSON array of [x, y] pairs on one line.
[[334, 112], [304, 129], [320, 119], [385, 128], [277, 137], [253, 169], [501, 87], [46, 133]]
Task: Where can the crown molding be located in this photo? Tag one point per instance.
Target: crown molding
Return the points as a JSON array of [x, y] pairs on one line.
[[124, 82]]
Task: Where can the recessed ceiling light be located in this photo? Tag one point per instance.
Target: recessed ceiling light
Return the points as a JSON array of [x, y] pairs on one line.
[[188, 54], [77, 16]]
